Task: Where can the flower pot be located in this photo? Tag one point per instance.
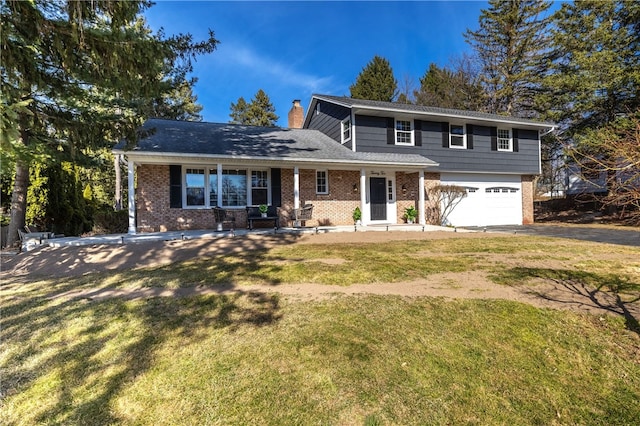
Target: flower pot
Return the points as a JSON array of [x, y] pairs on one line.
[[263, 214]]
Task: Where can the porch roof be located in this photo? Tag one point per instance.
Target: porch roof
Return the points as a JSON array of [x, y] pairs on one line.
[[198, 140]]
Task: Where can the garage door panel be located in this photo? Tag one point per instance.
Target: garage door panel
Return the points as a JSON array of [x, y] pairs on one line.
[[490, 200]]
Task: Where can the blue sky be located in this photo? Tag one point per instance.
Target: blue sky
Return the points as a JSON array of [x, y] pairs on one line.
[[292, 50]]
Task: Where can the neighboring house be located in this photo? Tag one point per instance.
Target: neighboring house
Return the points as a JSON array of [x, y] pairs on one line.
[[379, 156]]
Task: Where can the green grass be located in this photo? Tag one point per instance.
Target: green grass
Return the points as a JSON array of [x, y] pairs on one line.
[[255, 358]]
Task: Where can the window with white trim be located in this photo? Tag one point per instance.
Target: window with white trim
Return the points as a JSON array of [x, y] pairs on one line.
[[322, 182], [345, 128], [457, 137], [194, 187], [259, 187], [234, 188], [504, 140], [240, 187], [213, 187], [404, 133]]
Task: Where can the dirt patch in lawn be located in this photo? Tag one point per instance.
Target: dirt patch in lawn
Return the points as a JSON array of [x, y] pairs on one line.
[[77, 261]]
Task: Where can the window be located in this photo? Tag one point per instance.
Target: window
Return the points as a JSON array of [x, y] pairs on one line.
[[346, 130], [322, 183], [403, 133], [194, 179], [200, 187], [259, 187], [504, 140], [234, 188], [389, 190], [456, 136], [213, 187]]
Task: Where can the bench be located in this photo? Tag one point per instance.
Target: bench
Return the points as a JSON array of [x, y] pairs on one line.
[[253, 214]]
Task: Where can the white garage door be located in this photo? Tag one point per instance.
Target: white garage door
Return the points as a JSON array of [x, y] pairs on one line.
[[490, 200]]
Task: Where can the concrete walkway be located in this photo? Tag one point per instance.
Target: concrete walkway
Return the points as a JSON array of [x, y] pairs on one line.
[[208, 233]]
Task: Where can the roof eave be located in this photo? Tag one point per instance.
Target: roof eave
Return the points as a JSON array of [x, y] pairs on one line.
[[162, 157]]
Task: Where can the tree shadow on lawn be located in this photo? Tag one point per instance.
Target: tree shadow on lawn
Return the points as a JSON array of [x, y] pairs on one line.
[[613, 293], [86, 352]]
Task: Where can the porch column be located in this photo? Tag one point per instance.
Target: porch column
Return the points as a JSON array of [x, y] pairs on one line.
[[363, 197], [296, 187], [422, 219], [219, 188], [131, 196]]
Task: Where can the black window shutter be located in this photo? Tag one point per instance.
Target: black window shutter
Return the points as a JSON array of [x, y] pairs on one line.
[[444, 127], [175, 186], [276, 187], [391, 132], [417, 132], [515, 140], [494, 138], [469, 136]]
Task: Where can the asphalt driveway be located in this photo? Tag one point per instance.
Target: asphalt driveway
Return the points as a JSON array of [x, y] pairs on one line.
[[627, 236]]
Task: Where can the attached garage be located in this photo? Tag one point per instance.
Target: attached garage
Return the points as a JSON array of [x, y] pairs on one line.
[[492, 199]]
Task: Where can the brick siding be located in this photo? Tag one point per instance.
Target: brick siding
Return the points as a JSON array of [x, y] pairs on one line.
[[527, 199], [332, 209]]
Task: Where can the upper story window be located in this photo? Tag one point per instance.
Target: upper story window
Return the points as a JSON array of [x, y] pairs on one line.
[[457, 136], [504, 140], [345, 128], [322, 182], [404, 133]]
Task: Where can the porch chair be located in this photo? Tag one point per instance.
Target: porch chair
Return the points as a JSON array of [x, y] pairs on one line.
[[222, 216], [301, 215]]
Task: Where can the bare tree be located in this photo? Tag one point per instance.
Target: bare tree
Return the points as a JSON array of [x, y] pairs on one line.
[[613, 155], [406, 90], [446, 198]]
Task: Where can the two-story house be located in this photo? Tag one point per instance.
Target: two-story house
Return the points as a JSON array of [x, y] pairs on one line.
[[344, 153]]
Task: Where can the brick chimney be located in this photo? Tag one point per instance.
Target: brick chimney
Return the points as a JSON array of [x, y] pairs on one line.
[[296, 115]]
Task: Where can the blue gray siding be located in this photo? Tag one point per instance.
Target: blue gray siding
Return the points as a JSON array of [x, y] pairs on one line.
[[371, 136], [328, 120]]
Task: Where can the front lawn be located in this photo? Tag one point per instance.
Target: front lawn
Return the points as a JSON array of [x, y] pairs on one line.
[[259, 358]]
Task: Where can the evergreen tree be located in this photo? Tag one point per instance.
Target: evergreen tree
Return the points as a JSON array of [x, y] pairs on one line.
[[259, 112], [239, 112], [375, 82], [595, 74], [511, 46], [178, 104], [78, 76], [444, 88]]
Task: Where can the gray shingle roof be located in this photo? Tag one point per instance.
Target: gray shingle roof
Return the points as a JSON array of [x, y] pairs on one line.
[[355, 103], [249, 142]]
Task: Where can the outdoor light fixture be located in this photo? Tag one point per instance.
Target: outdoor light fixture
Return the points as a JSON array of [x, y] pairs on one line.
[[355, 187], [404, 188]]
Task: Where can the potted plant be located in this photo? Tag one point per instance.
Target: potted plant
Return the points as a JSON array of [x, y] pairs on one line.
[[410, 213], [263, 209], [357, 216]]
